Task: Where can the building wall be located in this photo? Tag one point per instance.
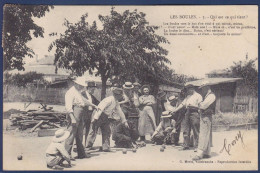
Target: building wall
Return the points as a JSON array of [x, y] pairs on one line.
[[225, 94]]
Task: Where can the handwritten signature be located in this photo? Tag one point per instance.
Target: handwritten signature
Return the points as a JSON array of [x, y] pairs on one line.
[[228, 146]]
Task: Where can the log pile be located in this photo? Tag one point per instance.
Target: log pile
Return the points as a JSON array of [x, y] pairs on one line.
[[43, 119]]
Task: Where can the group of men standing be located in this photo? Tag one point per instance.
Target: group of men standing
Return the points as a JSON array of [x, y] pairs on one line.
[[86, 112], [199, 105]]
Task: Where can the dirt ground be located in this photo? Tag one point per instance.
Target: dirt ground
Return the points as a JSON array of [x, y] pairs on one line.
[[243, 155], [147, 158]]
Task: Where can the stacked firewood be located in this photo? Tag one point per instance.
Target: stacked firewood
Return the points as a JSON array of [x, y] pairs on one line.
[[43, 119]]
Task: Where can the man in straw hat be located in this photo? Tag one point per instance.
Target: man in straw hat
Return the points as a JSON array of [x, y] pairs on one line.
[[74, 104], [191, 119], [56, 152], [206, 110], [165, 130], [101, 119], [130, 103], [172, 103]]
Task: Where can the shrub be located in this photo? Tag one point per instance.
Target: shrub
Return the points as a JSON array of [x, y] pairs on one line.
[[21, 80], [234, 118]]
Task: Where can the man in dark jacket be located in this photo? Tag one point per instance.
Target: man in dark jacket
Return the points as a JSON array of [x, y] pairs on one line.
[[89, 109], [125, 137]]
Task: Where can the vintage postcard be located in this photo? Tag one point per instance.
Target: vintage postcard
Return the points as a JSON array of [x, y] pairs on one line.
[[158, 87]]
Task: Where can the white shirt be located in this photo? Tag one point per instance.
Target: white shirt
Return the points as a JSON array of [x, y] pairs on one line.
[[192, 100], [107, 106], [209, 99], [168, 106], [56, 148], [74, 98]]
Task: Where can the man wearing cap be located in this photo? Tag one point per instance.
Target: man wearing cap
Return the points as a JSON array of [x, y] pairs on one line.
[[101, 119], [88, 94], [74, 104], [191, 119], [206, 110]]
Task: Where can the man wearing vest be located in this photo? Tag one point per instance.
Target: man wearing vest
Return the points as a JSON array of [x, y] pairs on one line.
[[89, 109], [101, 119], [206, 110]]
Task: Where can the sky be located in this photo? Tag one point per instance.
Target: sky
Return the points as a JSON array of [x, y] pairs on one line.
[[189, 55]]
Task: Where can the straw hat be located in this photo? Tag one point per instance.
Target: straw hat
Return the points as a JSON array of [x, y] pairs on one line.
[[60, 135], [166, 114], [128, 85], [189, 86], [81, 81], [171, 98], [204, 83]]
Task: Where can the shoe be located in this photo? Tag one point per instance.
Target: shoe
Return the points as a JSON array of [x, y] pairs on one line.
[[143, 144], [89, 148], [176, 144], [57, 167], [206, 156], [195, 150], [107, 150], [185, 148], [197, 157], [87, 155], [72, 158]]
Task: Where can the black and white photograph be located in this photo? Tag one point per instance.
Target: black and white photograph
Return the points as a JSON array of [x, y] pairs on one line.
[[130, 87]]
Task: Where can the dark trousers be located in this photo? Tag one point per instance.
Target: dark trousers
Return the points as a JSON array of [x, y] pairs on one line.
[[76, 132], [178, 120], [191, 121], [123, 143], [104, 125], [87, 122]]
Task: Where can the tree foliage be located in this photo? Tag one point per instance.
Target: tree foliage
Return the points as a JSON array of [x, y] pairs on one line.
[[247, 70], [21, 80], [126, 47], [18, 28]]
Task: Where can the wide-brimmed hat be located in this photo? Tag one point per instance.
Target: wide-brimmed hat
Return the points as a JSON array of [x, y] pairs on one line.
[[187, 86], [204, 83], [60, 135], [128, 85], [145, 86], [82, 80], [166, 114], [173, 97]]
